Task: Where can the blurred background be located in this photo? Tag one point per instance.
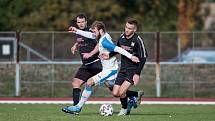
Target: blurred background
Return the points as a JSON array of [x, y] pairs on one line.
[[35, 57], [153, 15]]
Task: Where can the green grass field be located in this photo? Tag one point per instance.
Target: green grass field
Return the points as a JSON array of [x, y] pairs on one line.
[[52, 112]]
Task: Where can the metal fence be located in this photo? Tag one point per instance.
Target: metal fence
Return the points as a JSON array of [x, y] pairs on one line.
[[41, 64]]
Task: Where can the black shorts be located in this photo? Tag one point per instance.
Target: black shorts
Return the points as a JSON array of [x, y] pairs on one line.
[[125, 75], [87, 71]]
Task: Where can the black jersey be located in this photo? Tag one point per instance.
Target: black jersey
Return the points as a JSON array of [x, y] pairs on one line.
[[136, 47], [86, 45]]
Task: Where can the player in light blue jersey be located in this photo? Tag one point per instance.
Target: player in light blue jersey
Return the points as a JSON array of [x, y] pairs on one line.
[[109, 66]]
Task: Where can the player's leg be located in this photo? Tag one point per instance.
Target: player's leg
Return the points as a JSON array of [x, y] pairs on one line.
[[130, 103], [89, 72], [115, 91], [82, 75], [134, 99], [134, 96], [95, 80], [123, 97], [139, 97], [98, 79], [76, 91], [92, 71], [76, 109], [131, 99], [86, 92], [119, 80], [109, 84]]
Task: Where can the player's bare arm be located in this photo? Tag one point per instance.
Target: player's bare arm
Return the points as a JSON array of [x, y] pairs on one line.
[[94, 51], [74, 48]]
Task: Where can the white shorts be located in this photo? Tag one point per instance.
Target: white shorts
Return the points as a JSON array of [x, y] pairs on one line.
[[105, 75]]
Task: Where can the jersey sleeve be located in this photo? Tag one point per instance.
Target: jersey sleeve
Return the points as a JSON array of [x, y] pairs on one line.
[[142, 54], [113, 48], [86, 34], [108, 45], [114, 53]]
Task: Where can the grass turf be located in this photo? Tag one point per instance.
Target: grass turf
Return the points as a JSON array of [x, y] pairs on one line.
[[52, 112]]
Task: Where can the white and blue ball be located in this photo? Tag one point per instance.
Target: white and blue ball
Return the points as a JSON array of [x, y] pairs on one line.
[[106, 110]]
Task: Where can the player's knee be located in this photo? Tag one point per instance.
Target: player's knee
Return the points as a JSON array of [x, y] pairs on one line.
[[76, 84], [90, 83], [115, 94], [122, 94]]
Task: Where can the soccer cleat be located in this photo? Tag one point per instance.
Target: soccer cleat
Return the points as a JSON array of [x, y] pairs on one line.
[[134, 102], [140, 94], [66, 110], [130, 105], [72, 110], [122, 112]]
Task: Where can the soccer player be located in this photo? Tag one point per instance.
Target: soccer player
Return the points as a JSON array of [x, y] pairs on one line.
[[129, 73], [88, 51], [109, 66]]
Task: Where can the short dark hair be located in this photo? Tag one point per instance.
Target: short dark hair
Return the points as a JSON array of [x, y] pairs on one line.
[[81, 15], [99, 25], [132, 21], [74, 20]]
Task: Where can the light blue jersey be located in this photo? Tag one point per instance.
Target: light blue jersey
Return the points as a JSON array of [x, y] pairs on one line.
[[106, 46], [109, 66]]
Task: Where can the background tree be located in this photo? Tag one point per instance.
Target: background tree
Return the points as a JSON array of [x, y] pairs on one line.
[[188, 19], [153, 15]]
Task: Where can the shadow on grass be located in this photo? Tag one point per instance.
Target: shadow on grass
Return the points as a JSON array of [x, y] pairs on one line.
[[132, 114], [152, 114]]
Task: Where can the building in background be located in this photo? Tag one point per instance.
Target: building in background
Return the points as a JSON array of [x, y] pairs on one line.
[[208, 9]]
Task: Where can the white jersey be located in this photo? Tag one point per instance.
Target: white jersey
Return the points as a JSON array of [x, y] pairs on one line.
[[109, 66], [104, 47]]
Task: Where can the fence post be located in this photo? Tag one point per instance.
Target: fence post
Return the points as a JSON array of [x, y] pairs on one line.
[[17, 81], [158, 85], [193, 68]]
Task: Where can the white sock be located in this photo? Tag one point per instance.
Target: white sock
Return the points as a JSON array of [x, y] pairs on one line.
[[85, 95]]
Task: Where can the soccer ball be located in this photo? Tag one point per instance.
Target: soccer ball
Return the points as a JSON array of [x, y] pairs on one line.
[[106, 110]]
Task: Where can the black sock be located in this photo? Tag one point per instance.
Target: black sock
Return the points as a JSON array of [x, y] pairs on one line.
[[131, 93], [76, 94], [124, 102]]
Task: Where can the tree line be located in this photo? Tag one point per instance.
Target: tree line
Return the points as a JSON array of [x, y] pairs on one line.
[[56, 15]]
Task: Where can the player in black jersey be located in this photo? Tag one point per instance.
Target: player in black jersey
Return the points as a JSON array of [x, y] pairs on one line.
[[129, 73], [88, 50]]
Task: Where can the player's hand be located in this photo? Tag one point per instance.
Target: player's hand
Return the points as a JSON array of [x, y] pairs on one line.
[[104, 56], [72, 29], [136, 79], [86, 55], [74, 49], [135, 59]]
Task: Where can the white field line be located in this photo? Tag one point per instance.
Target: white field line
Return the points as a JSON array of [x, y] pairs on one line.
[[110, 102]]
